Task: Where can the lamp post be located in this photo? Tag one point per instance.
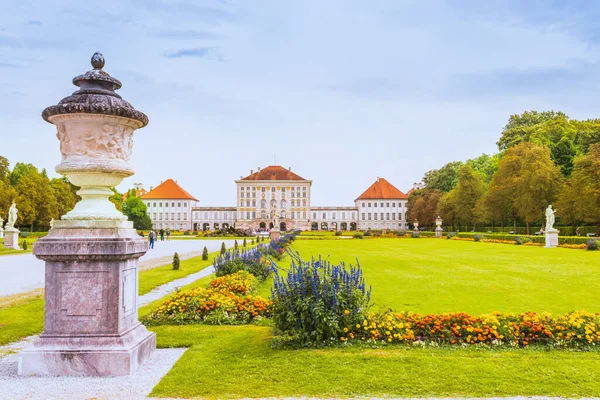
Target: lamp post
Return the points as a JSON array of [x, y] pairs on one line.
[[91, 322], [438, 230]]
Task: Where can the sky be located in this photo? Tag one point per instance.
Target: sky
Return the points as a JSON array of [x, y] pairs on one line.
[[342, 92]]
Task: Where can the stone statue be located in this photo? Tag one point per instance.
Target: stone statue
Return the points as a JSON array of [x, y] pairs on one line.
[[550, 218], [274, 216], [12, 216]]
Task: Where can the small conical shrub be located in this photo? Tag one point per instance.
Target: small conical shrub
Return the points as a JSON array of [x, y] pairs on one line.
[[235, 245], [223, 249], [252, 241], [244, 243], [175, 261], [205, 253], [24, 244]]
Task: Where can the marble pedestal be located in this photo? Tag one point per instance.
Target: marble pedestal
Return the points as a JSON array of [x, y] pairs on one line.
[[416, 232], [551, 238], [274, 234], [91, 322], [11, 239], [439, 232], [1, 232]]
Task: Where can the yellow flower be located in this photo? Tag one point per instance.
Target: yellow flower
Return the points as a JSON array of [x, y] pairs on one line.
[[345, 329], [347, 312]]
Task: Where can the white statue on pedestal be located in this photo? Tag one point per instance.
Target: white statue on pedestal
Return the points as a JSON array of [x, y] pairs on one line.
[[550, 218], [12, 216], [274, 216]]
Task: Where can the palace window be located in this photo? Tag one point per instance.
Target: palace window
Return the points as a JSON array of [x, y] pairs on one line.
[[304, 203], [283, 204], [160, 216], [293, 193], [374, 204], [173, 216], [343, 215], [242, 188], [253, 203], [254, 189], [273, 202], [247, 214], [262, 189], [353, 215], [282, 190], [393, 204], [247, 203], [369, 216], [263, 214], [172, 204], [381, 204], [314, 215], [304, 188], [324, 215], [242, 195], [224, 215], [153, 204], [303, 194], [185, 216], [399, 216], [303, 214], [293, 203], [382, 216], [393, 216], [253, 195], [154, 216], [387, 204], [283, 214], [375, 216], [241, 203], [185, 204], [387, 216], [273, 189], [160, 204], [166, 216], [216, 216], [292, 214], [179, 204], [263, 203], [369, 204], [253, 214]]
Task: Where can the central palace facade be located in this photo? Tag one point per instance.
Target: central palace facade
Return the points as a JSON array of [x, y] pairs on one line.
[[276, 189]]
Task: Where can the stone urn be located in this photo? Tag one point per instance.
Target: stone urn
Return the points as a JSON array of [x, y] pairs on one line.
[[438, 227], [91, 322]]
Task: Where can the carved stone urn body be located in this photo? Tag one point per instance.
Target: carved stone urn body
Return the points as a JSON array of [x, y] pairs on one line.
[[91, 323]]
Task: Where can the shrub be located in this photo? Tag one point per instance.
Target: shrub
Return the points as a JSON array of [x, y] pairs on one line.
[[338, 233], [522, 240], [24, 234], [477, 238], [415, 235], [186, 233], [227, 300], [357, 235], [223, 249], [24, 244], [235, 245], [244, 243], [252, 261], [205, 253], [175, 261], [252, 241], [367, 233], [593, 244], [315, 300]]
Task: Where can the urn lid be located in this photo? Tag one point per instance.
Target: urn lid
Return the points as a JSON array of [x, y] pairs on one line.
[[96, 96]]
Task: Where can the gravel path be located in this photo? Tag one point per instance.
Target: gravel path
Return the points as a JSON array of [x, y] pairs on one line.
[[23, 272], [163, 290], [136, 386]]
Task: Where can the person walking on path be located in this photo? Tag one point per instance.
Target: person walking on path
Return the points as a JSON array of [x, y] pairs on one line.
[[168, 234], [151, 238], [162, 235]]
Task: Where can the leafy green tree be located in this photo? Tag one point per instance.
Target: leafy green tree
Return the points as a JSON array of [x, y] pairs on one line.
[[447, 208], [20, 170], [27, 189], [580, 198], [422, 206], [4, 169], [117, 199], [135, 210], [65, 198], [485, 165], [176, 261], [468, 192], [205, 253], [521, 128], [443, 179]]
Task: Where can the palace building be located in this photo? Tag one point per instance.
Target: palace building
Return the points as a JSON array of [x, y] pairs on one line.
[[275, 189]]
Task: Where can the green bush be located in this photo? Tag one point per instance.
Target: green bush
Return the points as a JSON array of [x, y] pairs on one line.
[[235, 245], [522, 240], [223, 248], [357, 235], [593, 244], [205, 253], [450, 235], [338, 233], [251, 261], [24, 234], [244, 243], [415, 235], [24, 245], [367, 233], [175, 261]]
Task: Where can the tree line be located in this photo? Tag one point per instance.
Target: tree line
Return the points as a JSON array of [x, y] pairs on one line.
[[544, 158], [40, 199]]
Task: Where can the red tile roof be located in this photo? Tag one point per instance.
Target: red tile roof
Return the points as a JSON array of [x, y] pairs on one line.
[[273, 173], [169, 189], [382, 189]]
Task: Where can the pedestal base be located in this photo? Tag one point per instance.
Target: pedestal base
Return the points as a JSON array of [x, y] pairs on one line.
[[551, 238], [91, 323], [1, 232], [88, 356], [439, 232], [11, 239], [275, 234]]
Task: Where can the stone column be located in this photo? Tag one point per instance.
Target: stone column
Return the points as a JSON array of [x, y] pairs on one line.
[[551, 238], [91, 323], [11, 239]]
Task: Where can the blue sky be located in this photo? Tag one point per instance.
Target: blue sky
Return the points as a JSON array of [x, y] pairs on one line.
[[341, 91]]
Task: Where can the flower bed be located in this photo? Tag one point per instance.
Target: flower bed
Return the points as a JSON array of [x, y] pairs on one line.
[[227, 300], [575, 329], [253, 261]]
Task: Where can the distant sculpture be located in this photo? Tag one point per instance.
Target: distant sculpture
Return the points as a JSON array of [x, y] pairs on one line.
[[274, 217], [550, 218], [12, 216]]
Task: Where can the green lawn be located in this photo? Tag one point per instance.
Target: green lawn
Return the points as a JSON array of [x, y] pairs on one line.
[[439, 275], [30, 241], [238, 362]]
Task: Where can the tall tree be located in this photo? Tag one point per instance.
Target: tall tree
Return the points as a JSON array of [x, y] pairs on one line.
[[443, 179], [4, 169], [447, 209], [468, 192], [580, 199], [520, 128], [135, 209], [65, 198]]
